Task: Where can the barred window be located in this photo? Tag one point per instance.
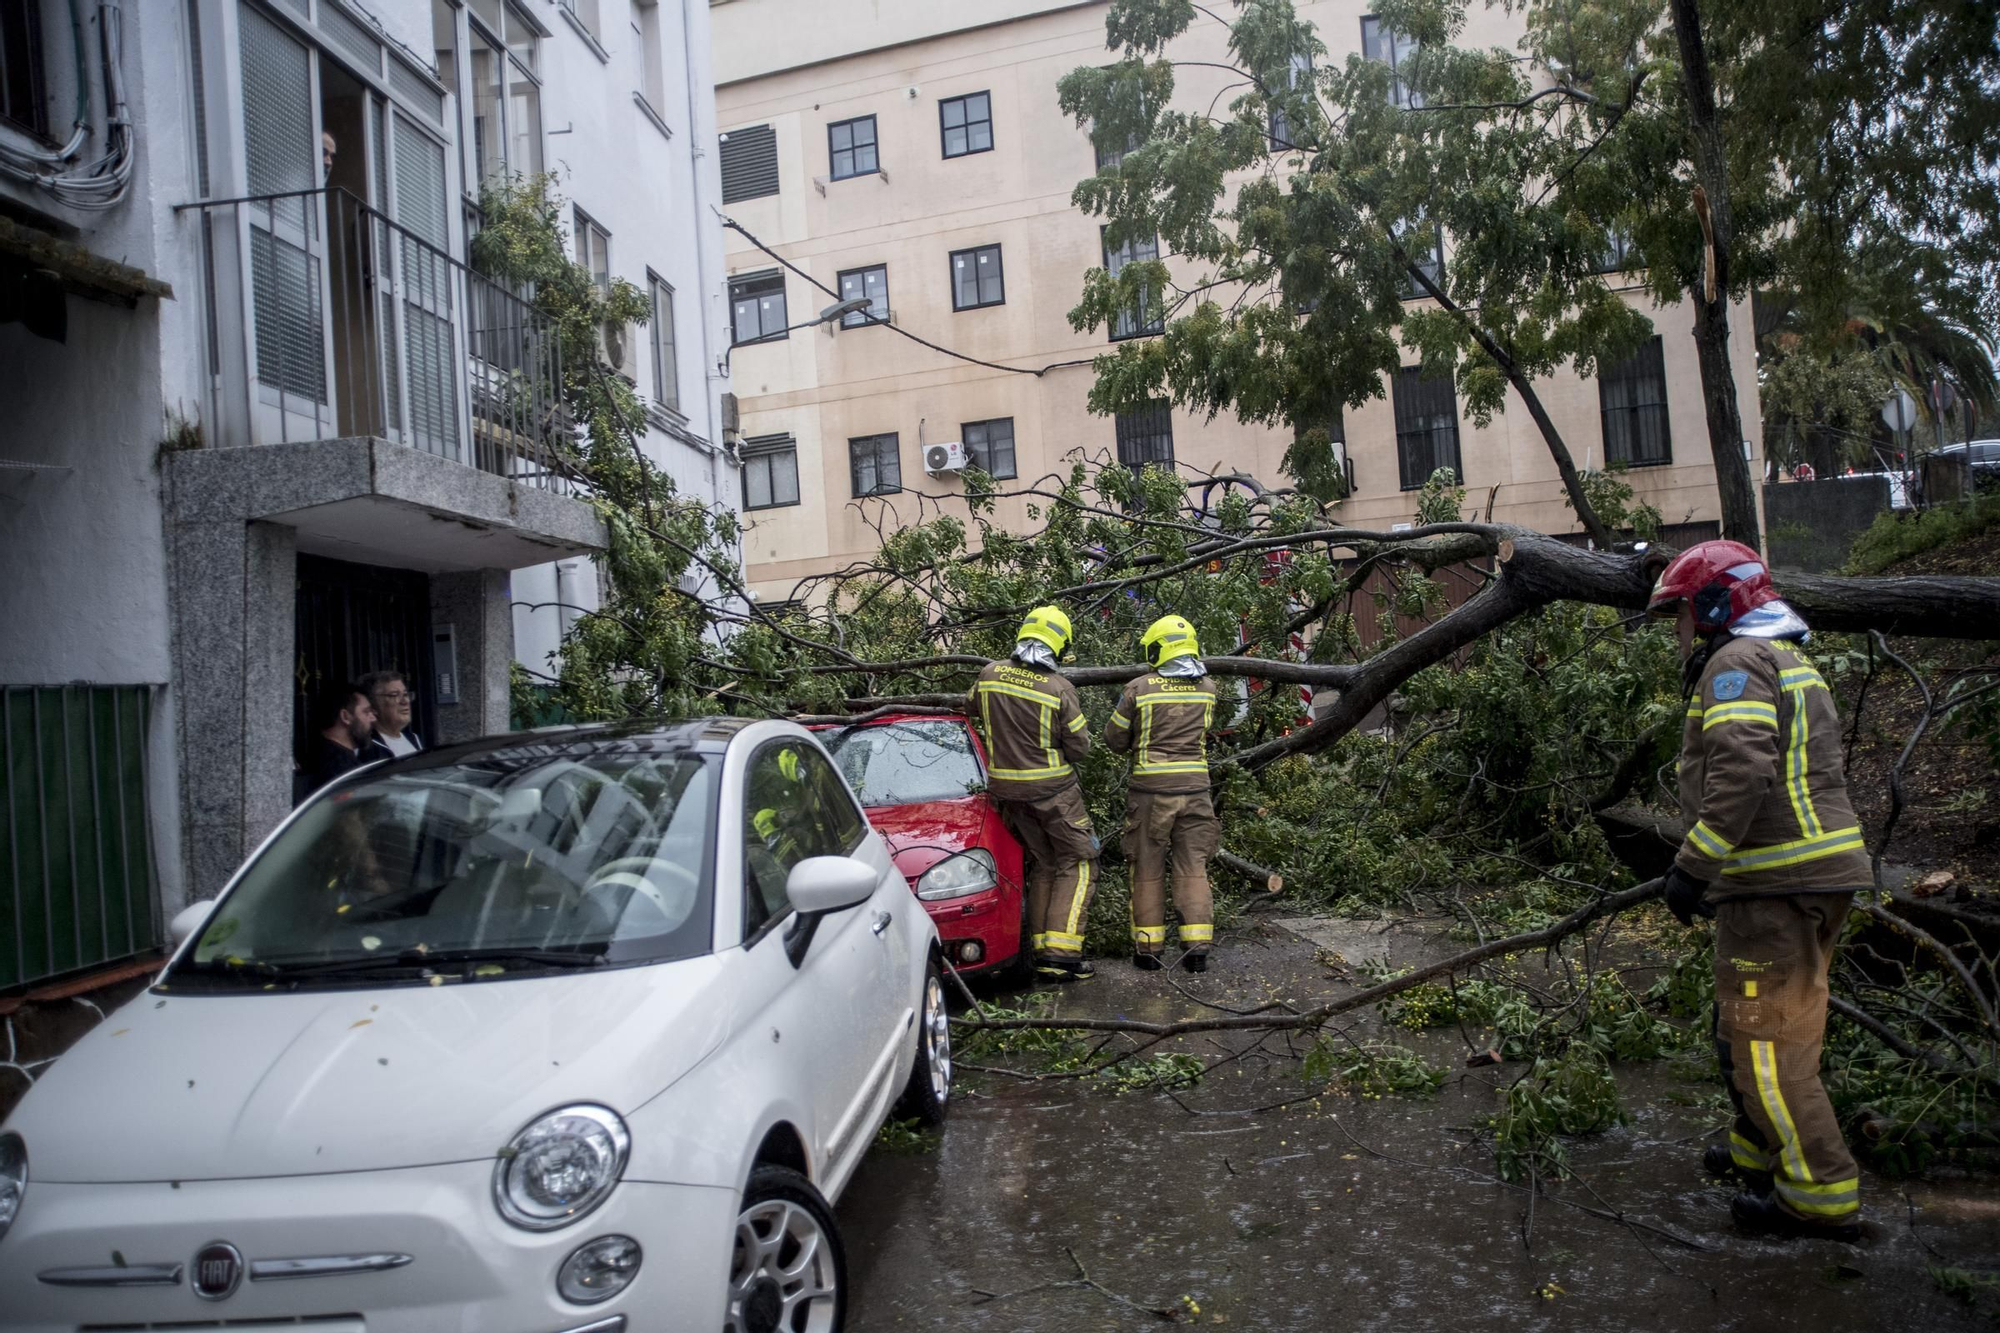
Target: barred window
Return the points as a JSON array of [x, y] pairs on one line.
[[1426, 426], [1633, 397], [989, 445], [1147, 435]]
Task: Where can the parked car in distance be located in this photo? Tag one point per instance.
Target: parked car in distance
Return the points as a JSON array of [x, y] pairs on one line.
[[922, 780], [1899, 485], [570, 1030]]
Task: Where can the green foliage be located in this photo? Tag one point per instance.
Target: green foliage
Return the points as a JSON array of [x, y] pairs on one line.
[[905, 1137], [1373, 1070], [1610, 496], [1570, 1094], [1154, 1073], [1441, 499], [1968, 1287], [977, 1044], [1898, 534]]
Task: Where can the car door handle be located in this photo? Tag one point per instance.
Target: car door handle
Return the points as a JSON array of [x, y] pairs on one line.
[[882, 920]]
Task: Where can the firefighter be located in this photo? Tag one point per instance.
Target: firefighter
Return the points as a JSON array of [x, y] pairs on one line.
[[1162, 719], [1774, 853], [1035, 733]]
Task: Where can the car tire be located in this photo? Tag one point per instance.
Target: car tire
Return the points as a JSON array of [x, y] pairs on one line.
[[927, 1096], [787, 1269]]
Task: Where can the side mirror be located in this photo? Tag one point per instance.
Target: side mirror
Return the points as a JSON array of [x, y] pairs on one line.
[[822, 884], [189, 921]]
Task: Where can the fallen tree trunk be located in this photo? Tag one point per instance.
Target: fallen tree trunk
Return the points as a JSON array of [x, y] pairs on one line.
[[1609, 905], [1273, 882]]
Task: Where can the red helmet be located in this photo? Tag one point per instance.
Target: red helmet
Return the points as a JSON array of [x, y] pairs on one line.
[[1722, 580]]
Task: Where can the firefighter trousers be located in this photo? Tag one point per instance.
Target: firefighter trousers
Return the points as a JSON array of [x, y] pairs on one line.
[[1771, 960], [1178, 829], [1062, 872]]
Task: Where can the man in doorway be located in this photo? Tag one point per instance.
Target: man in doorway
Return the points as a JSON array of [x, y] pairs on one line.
[[344, 720], [393, 700]]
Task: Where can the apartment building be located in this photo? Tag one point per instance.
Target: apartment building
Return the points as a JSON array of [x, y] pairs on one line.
[[267, 429], [913, 155]]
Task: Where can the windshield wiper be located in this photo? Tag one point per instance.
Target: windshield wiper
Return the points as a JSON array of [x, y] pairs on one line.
[[442, 960]]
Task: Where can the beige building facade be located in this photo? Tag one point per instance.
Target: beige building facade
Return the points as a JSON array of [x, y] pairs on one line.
[[912, 153]]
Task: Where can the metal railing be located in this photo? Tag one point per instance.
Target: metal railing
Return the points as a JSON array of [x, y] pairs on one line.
[[328, 319], [76, 864]]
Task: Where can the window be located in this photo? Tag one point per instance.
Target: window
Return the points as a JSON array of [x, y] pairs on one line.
[[23, 91], [989, 445], [585, 13], [907, 763], [593, 250], [770, 472], [1426, 426], [850, 146], [1140, 319], [749, 163], [652, 56], [1109, 158], [506, 95], [794, 806], [1393, 49], [1430, 260], [967, 123], [876, 467], [1147, 435], [757, 308], [976, 279], [871, 283], [666, 366], [1298, 74], [1618, 253], [1633, 397]]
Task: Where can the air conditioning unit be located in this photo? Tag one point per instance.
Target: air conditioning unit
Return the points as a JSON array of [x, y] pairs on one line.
[[944, 456], [615, 341]]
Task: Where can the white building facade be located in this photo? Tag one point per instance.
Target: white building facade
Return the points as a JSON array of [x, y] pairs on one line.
[[266, 429]]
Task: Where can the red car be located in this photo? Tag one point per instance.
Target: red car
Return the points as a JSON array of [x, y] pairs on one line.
[[922, 779]]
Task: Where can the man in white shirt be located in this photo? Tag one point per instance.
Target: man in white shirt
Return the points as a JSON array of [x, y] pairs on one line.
[[394, 701]]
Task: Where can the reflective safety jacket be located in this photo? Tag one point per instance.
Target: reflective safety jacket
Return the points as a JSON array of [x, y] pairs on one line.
[[1034, 728], [1761, 783], [1164, 722]]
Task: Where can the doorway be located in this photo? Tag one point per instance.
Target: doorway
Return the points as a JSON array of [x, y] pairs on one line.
[[353, 619]]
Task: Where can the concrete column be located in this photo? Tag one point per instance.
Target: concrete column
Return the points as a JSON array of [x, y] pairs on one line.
[[475, 605], [233, 594]]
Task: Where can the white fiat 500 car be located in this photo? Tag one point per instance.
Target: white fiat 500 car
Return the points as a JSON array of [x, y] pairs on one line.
[[556, 1032]]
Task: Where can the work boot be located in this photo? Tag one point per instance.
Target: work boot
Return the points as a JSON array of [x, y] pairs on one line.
[[1195, 962], [1146, 962], [1719, 1162], [1760, 1215], [1063, 971]]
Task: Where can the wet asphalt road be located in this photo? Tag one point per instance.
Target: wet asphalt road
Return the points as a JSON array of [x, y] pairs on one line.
[[1349, 1214]]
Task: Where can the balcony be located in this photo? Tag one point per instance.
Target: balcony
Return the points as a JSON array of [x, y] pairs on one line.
[[366, 382]]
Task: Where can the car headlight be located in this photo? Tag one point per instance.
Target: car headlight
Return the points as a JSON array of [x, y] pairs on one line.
[[560, 1167], [957, 876], [13, 1179]]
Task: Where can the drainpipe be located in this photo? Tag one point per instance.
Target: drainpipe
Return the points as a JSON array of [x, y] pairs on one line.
[[695, 155]]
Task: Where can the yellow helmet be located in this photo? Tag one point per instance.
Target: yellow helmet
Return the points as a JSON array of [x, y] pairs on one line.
[[1047, 624], [1167, 638]]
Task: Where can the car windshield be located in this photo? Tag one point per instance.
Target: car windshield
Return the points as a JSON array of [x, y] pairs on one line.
[[902, 763], [527, 860]]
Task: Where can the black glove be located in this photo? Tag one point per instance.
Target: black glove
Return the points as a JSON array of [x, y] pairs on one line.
[[1686, 896]]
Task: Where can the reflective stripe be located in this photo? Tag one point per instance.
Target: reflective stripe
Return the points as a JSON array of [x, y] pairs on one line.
[[1036, 940], [1796, 786], [1764, 1063], [1030, 774], [1078, 723], [1747, 710], [1120, 720], [1832, 1200], [1035, 697], [1074, 923], [1197, 934], [1704, 839], [1793, 853], [1801, 678], [1062, 939], [1747, 1154], [1174, 766], [1694, 711], [1149, 934], [1147, 766], [1750, 989]]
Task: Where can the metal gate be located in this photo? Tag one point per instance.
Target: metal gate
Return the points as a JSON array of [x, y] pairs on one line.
[[354, 619]]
